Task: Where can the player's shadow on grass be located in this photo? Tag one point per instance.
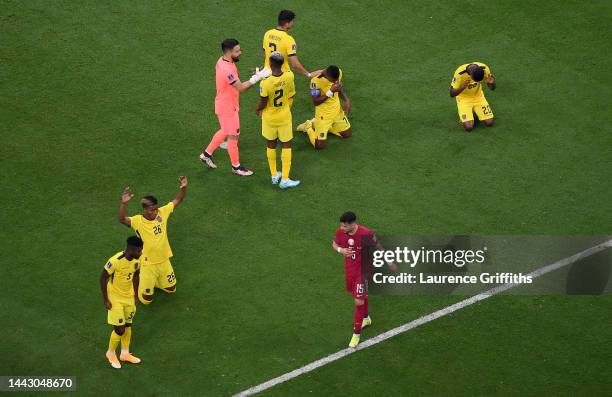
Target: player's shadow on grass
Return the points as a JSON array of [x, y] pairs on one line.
[[591, 275]]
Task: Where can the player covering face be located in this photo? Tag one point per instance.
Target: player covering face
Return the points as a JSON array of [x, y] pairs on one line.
[[466, 88], [330, 116], [274, 106], [229, 88], [119, 282]]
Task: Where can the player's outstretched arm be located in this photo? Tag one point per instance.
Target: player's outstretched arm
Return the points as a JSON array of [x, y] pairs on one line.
[[491, 82], [182, 191], [297, 65], [125, 197], [242, 86], [103, 286]]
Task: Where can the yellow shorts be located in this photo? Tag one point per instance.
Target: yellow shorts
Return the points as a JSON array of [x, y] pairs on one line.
[[333, 125], [283, 132], [467, 108], [158, 275], [123, 309]]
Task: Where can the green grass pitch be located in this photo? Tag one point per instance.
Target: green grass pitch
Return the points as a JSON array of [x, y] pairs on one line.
[[99, 95]]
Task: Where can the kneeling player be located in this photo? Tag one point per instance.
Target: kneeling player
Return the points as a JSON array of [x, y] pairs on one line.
[[119, 281], [326, 90], [275, 98], [152, 228], [467, 90]]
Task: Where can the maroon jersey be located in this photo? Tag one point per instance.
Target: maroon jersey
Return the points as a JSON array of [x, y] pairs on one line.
[[363, 237]]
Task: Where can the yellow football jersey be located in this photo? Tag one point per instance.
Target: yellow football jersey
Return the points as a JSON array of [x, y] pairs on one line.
[[281, 41], [279, 90], [474, 90], [122, 272], [330, 108], [154, 235]]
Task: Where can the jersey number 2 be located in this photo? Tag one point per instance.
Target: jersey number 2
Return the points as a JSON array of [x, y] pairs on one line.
[[278, 94]]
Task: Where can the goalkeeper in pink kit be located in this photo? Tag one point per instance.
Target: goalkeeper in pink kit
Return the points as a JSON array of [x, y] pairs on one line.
[[227, 106]]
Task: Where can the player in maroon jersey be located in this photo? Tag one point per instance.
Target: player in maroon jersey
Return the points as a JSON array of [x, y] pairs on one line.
[[351, 238]]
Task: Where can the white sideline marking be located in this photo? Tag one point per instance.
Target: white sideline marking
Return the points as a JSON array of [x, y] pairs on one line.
[[422, 320]]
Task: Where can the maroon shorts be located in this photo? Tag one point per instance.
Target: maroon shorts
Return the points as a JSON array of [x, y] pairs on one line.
[[356, 286]]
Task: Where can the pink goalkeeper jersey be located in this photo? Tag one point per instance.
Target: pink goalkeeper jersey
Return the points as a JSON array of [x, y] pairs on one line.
[[226, 101]]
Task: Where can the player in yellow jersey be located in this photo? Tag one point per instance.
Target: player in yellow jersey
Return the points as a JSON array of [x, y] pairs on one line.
[[119, 281], [152, 228], [278, 40], [466, 88], [275, 99], [330, 117]]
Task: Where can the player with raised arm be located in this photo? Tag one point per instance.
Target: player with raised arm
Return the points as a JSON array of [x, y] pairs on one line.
[[227, 106], [152, 227], [119, 283], [279, 40], [275, 100], [466, 88], [326, 90], [351, 238]]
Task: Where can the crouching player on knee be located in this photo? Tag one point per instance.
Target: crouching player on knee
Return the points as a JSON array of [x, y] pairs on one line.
[[119, 283], [152, 227], [330, 116], [466, 88]]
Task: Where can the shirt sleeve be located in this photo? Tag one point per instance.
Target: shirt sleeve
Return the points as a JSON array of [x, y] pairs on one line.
[[263, 92], [315, 90], [230, 77], [167, 209], [457, 81], [291, 46], [109, 267], [134, 221], [337, 238]]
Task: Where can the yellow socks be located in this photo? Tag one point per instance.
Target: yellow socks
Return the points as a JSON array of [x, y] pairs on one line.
[[125, 340], [114, 341], [286, 162], [271, 154]]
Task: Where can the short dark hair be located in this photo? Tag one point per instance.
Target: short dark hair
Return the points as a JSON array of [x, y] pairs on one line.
[[285, 16], [148, 201], [348, 217], [228, 44], [134, 241], [477, 73], [333, 71], [277, 59]]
